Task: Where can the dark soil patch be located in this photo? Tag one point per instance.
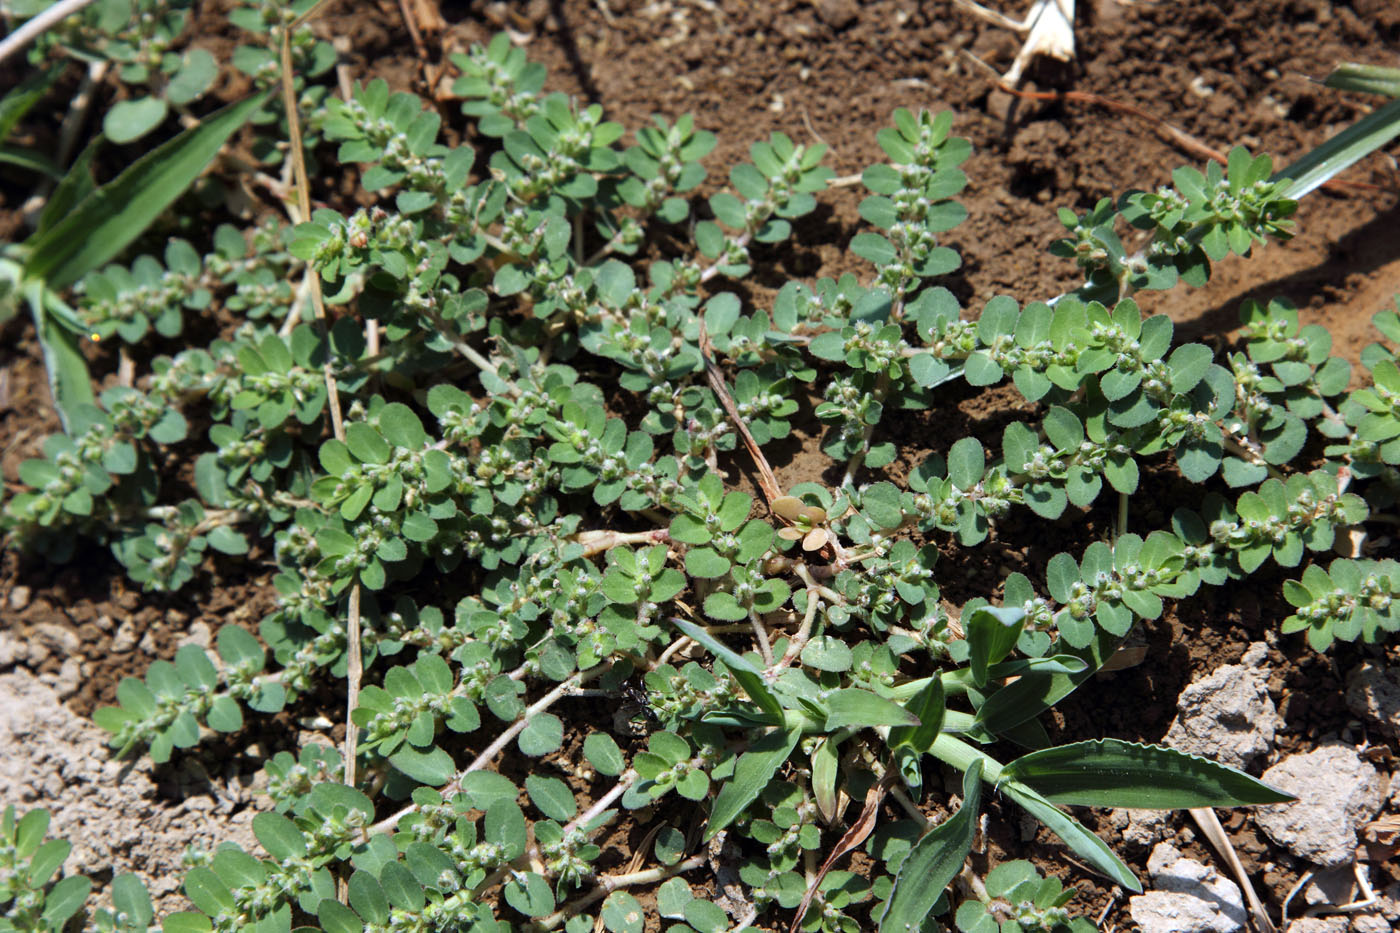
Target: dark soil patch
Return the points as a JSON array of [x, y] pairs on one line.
[[833, 72]]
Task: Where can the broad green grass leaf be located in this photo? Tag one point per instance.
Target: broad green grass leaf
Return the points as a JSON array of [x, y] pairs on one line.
[[1114, 773], [30, 161], [754, 769], [854, 708], [934, 861], [1037, 691], [1341, 151], [826, 763], [1082, 842], [928, 706], [1368, 79], [101, 226], [77, 184], [991, 634], [69, 381]]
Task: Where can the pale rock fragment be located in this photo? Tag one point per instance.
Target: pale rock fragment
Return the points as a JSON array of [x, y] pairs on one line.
[[1188, 897], [1337, 791], [198, 634], [1330, 888], [1370, 923], [125, 639], [1227, 715], [1373, 694], [1141, 829]]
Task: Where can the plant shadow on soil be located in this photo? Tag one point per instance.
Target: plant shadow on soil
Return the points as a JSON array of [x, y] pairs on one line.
[[833, 72]]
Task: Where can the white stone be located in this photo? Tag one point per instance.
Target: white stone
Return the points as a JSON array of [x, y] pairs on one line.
[[1227, 715], [1141, 829], [125, 639], [1337, 791], [1188, 898], [198, 634]]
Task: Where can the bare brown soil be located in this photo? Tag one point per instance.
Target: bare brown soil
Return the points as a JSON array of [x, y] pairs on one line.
[[833, 70]]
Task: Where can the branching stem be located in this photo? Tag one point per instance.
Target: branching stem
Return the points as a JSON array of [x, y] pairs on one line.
[[505, 738], [40, 24], [611, 883]]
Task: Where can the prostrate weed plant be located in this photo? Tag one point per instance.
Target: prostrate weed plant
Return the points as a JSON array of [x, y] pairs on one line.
[[489, 442]]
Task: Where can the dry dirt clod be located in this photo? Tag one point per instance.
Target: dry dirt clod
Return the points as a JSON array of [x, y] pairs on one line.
[[12, 650], [1373, 693], [1337, 791], [198, 634], [1330, 888], [1188, 897], [1141, 829], [66, 682], [125, 639], [1227, 716], [838, 14]]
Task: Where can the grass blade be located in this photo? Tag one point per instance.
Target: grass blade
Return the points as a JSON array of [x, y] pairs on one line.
[[1114, 773], [76, 184], [1082, 842], [934, 861], [752, 772], [69, 381], [1037, 691], [21, 99], [102, 225], [1368, 79], [29, 160], [1341, 151], [748, 676]]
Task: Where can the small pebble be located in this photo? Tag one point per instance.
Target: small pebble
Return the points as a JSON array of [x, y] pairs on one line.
[[19, 597], [198, 634], [838, 14], [125, 639]]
